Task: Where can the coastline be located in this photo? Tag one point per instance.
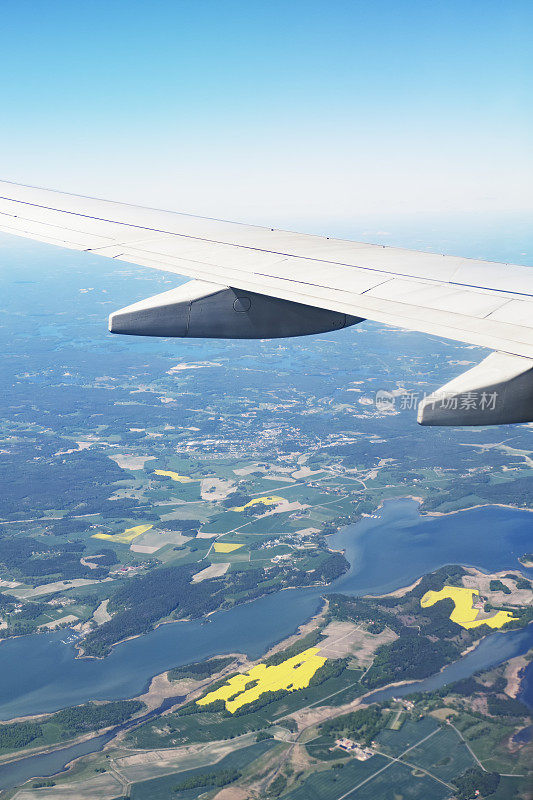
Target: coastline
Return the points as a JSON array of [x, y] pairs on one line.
[[161, 689], [420, 500], [397, 593], [19, 755], [472, 508], [78, 646]]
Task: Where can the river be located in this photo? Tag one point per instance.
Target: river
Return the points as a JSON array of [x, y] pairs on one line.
[[40, 673], [491, 651], [46, 764]]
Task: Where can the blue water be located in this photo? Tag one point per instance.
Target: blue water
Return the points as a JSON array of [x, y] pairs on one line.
[[40, 673], [526, 686], [398, 548], [42, 766], [491, 651]]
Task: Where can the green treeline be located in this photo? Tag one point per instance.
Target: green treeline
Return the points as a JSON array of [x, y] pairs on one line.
[[331, 669], [332, 567], [515, 492], [218, 779], [34, 559], [80, 484], [263, 700], [451, 575], [278, 785], [193, 708], [358, 609], [71, 722], [294, 649], [362, 725], [410, 657], [506, 707], [18, 734], [199, 670], [476, 782], [91, 716], [498, 586], [146, 599], [427, 638]]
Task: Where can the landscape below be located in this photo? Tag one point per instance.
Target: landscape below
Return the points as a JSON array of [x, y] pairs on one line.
[[305, 705], [143, 483]]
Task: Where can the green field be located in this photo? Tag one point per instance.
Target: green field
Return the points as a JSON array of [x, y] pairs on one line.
[[485, 737], [444, 755], [322, 747], [274, 523], [203, 727], [225, 522], [394, 782], [163, 788], [395, 742]]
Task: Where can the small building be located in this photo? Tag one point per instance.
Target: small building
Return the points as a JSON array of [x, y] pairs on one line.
[[360, 752]]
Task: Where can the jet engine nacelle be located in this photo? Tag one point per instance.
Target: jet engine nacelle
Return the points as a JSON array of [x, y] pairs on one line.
[[206, 310]]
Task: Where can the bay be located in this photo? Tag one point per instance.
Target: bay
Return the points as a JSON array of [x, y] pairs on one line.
[[400, 545]]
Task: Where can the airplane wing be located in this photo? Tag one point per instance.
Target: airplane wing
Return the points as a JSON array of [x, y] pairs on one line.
[[254, 281]]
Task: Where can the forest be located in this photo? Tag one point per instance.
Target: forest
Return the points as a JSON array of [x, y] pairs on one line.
[[362, 725], [146, 599], [72, 722]]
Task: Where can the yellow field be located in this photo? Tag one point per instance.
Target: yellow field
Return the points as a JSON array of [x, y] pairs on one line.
[[463, 613], [226, 547], [167, 473], [124, 538], [269, 500], [294, 673]]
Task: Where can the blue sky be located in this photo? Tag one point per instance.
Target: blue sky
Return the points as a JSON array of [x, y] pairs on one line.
[[303, 114]]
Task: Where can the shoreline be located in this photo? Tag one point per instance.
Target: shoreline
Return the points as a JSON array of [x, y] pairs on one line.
[[20, 755], [78, 646], [473, 508], [202, 620], [397, 592], [160, 689], [323, 605], [420, 501]]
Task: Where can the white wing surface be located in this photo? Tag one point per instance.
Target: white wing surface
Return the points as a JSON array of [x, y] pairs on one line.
[[478, 302]]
